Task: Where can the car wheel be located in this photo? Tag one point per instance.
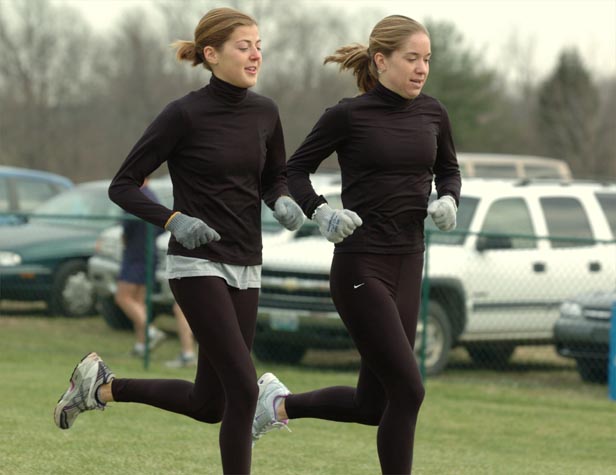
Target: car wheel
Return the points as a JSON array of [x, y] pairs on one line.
[[491, 355], [592, 370], [438, 339], [274, 352], [72, 292], [113, 315]]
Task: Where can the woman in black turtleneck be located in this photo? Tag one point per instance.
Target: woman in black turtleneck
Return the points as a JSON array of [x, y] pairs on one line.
[[225, 152], [391, 141]]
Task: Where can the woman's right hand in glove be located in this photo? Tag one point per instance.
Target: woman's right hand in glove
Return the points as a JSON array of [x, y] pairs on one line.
[[191, 232]]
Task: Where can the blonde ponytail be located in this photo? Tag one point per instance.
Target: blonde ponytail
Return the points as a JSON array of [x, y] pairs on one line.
[[356, 58], [387, 36], [187, 51], [214, 29]]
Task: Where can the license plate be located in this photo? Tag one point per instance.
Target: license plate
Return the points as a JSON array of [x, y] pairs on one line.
[[285, 323]]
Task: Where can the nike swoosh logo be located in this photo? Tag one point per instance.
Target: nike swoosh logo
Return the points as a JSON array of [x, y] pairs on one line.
[[356, 286]]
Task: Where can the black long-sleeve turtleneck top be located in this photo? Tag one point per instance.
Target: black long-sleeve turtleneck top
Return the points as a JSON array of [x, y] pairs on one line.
[[224, 148], [389, 150]]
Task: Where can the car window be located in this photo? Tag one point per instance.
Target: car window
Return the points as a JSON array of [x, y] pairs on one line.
[[31, 193], [608, 205], [163, 192], [464, 169], [495, 170], [542, 171], [4, 195], [511, 216], [466, 211], [566, 217], [84, 201]]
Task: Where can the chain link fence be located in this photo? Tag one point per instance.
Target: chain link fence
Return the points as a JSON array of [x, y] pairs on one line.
[[489, 300]]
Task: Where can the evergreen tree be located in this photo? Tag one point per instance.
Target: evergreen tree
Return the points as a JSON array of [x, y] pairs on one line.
[[471, 92], [568, 114]]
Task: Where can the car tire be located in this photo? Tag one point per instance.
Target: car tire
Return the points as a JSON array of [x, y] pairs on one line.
[[592, 370], [113, 315], [439, 340], [72, 292], [491, 355], [274, 352]]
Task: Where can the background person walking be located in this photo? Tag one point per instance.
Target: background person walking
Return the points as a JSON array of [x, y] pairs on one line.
[[131, 284]]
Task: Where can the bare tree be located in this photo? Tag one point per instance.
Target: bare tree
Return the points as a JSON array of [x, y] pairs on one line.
[[43, 73]]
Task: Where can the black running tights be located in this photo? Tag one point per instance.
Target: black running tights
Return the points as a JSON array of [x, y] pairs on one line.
[[223, 321], [378, 298]]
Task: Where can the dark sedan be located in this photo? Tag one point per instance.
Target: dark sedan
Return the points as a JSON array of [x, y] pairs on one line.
[[582, 332], [46, 258]]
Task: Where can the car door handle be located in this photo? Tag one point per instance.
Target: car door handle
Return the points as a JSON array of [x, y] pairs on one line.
[[538, 266], [594, 266]]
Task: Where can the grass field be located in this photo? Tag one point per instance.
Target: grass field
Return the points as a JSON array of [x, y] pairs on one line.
[[531, 419]]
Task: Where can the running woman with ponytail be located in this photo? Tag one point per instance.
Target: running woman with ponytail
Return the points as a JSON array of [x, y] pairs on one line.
[[392, 141], [224, 148]]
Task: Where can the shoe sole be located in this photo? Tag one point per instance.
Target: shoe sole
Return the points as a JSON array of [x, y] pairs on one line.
[[59, 416]]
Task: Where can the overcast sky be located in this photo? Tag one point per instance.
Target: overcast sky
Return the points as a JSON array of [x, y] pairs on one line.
[[543, 27]]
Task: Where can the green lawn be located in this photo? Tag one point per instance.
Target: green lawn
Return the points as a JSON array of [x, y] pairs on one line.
[[522, 421]]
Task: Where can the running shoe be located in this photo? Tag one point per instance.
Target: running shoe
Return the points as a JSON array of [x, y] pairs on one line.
[[89, 375], [182, 361], [270, 389], [156, 335]]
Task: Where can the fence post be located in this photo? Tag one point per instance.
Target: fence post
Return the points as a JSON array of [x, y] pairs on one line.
[[425, 299], [611, 368], [150, 249]]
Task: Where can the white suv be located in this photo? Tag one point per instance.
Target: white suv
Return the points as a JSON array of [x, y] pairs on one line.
[[494, 283]]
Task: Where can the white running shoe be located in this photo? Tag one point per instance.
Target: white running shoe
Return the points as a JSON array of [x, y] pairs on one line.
[[87, 377], [270, 389], [156, 337]]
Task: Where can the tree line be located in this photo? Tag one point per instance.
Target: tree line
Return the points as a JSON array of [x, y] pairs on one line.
[[74, 101]]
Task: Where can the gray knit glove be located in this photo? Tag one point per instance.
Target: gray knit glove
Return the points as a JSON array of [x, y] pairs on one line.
[[288, 213], [191, 232], [443, 213], [336, 224]]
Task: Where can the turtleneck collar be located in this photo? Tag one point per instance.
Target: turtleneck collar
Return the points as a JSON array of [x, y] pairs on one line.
[[390, 96], [227, 92]]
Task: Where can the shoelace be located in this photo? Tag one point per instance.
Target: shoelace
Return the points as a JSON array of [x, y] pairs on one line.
[[270, 426], [104, 375]]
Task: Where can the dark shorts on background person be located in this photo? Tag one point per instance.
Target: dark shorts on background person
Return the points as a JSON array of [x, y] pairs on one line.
[[133, 272]]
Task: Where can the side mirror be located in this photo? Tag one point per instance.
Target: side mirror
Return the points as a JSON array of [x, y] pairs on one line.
[[485, 243]]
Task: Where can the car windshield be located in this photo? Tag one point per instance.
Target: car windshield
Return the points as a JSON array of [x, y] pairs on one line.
[[90, 205], [466, 210]]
